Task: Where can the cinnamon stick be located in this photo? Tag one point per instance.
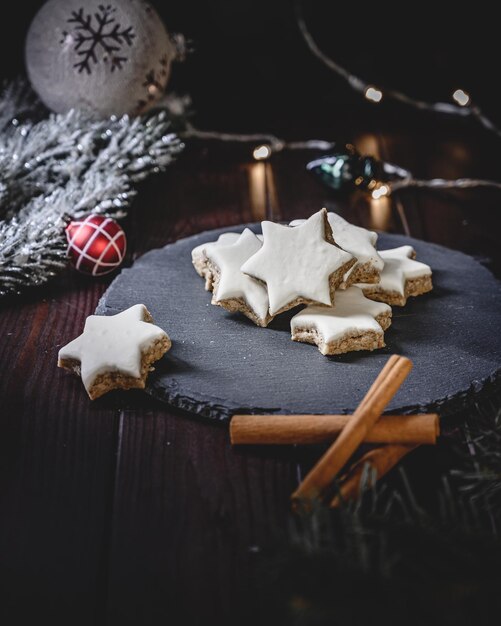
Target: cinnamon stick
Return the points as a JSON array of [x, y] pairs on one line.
[[311, 429], [380, 460], [377, 399]]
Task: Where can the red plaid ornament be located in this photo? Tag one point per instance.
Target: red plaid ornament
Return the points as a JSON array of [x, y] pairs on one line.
[[96, 244]]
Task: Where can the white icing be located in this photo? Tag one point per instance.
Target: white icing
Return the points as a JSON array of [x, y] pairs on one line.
[[233, 283], [359, 242], [198, 253], [112, 343], [352, 313], [296, 262], [399, 266]]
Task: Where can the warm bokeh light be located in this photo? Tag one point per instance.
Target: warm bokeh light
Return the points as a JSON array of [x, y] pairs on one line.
[[262, 152], [461, 97], [373, 94], [380, 191]]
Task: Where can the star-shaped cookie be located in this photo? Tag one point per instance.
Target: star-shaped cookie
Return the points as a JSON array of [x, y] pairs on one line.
[[359, 242], [234, 290], [401, 277], [199, 256], [299, 265], [116, 351], [353, 323]]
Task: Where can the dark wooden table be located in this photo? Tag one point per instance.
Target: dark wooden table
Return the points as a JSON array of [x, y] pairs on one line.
[[123, 511]]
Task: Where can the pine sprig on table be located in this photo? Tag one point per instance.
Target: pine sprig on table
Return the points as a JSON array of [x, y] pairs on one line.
[[479, 479], [61, 167], [390, 559], [350, 568], [18, 103]]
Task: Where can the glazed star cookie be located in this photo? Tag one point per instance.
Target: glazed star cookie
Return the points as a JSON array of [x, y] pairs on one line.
[[234, 290], [199, 256], [353, 323], [359, 242], [116, 351], [299, 265], [401, 277]]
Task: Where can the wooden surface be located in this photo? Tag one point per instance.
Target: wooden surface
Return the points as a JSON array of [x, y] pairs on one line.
[[122, 511]]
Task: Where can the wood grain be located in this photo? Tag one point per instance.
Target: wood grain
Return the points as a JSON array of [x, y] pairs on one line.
[[57, 465], [188, 508], [188, 512], [117, 511]]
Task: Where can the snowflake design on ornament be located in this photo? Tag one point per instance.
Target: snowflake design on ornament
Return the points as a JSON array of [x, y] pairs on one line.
[[154, 83], [100, 30]]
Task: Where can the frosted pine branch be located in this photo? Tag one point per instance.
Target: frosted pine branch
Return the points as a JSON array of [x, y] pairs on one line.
[[33, 246], [63, 167], [18, 103]]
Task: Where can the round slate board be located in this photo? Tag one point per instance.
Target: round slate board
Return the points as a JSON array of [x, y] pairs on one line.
[[221, 363]]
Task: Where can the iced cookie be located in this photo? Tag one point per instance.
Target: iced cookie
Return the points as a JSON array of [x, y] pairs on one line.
[[401, 277], [116, 351], [199, 257], [359, 242], [299, 265], [232, 289], [353, 323]]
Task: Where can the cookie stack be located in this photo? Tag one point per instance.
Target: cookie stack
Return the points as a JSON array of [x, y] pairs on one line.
[[323, 262]]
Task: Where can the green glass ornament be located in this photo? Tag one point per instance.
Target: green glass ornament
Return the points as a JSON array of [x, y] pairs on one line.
[[347, 170]]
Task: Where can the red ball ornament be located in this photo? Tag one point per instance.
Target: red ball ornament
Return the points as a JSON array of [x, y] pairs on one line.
[[96, 244]]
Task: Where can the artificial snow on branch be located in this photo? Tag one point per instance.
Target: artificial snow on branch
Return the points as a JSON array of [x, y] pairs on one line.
[[61, 167]]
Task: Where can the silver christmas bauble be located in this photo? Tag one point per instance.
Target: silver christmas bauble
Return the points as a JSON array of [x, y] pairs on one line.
[[105, 58]]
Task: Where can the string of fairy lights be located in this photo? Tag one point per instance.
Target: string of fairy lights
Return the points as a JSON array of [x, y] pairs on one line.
[[398, 178], [461, 105], [265, 145]]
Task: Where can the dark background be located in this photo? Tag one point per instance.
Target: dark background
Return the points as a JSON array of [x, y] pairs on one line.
[[124, 511], [252, 71]]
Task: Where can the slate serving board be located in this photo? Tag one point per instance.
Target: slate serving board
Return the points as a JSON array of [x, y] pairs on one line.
[[222, 363]]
